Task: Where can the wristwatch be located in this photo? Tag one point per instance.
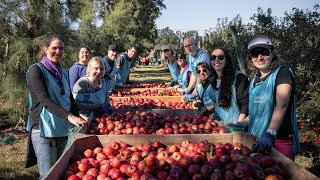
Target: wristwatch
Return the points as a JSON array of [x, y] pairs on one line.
[[272, 132]]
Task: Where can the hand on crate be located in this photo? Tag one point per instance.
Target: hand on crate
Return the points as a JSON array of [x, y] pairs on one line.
[[198, 104], [202, 111], [264, 143], [185, 91], [189, 97], [238, 127]]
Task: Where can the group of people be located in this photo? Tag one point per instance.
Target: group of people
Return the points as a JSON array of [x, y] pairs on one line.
[[60, 99], [265, 106]]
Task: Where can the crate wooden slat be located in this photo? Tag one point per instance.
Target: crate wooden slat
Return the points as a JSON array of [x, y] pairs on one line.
[[164, 112], [83, 142], [143, 89]]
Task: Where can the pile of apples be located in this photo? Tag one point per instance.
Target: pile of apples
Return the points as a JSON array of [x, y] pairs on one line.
[[145, 85], [187, 161], [148, 92], [153, 123], [142, 103]]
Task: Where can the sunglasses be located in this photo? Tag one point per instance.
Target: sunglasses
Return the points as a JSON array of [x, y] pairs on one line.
[[220, 57], [203, 70], [255, 52], [61, 88]]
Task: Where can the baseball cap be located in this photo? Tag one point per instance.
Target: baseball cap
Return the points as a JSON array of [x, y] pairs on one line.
[[166, 47], [260, 41], [113, 47]]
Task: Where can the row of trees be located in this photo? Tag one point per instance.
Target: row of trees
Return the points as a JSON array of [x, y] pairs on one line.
[[98, 23]]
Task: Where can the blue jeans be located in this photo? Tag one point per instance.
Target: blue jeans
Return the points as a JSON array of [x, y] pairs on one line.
[[48, 151]]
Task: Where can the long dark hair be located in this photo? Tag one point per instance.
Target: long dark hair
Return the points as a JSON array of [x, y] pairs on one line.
[[227, 80]]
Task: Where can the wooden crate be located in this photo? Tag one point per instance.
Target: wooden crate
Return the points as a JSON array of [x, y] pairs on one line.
[[83, 142], [162, 98]]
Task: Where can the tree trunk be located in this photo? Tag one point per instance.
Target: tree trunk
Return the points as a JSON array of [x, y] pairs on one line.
[[240, 58]]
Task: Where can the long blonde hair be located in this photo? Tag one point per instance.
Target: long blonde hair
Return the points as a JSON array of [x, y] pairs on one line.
[[93, 60]]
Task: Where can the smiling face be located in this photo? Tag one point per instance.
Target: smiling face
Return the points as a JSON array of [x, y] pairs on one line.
[[55, 51], [112, 54], [190, 46], [84, 55], [203, 73], [218, 60], [132, 52], [180, 60], [261, 59], [96, 71]]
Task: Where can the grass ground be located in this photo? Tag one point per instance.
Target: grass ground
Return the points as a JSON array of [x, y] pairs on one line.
[[13, 154]]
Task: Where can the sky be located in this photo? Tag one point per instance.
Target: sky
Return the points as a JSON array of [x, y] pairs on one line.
[[185, 15]]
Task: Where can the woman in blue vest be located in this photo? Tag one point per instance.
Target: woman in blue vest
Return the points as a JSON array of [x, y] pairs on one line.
[[124, 63], [52, 109], [271, 100], [78, 69], [170, 56], [90, 92], [230, 88], [184, 71], [111, 69]]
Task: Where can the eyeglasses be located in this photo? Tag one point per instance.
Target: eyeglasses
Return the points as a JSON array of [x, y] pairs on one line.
[[189, 45], [220, 57], [179, 59], [203, 70], [60, 84], [262, 51]]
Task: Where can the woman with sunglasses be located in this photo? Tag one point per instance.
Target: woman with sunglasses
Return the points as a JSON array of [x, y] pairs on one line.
[[272, 102], [230, 88], [52, 109], [169, 55], [91, 92], [184, 71]]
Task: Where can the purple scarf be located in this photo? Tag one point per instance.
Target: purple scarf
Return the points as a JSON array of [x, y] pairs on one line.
[[54, 69]]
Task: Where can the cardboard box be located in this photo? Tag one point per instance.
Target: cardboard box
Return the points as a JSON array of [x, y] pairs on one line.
[[83, 142]]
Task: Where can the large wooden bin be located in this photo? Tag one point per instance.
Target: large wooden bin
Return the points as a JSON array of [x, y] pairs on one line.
[[83, 142]]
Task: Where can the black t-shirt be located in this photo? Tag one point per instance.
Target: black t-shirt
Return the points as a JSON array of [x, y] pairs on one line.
[[284, 76], [242, 93]]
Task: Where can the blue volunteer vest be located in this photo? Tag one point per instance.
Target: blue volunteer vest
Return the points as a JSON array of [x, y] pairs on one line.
[[208, 96], [111, 83], [98, 97], [174, 69], [183, 78], [124, 70], [50, 124], [202, 56], [231, 113], [261, 107]]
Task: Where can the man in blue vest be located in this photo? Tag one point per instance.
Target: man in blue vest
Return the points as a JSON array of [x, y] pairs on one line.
[[110, 65], [195, 56], [123, 64]]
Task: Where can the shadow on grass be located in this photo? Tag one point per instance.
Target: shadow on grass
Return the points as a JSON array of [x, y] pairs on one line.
[[309, 150], [6, 174]]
